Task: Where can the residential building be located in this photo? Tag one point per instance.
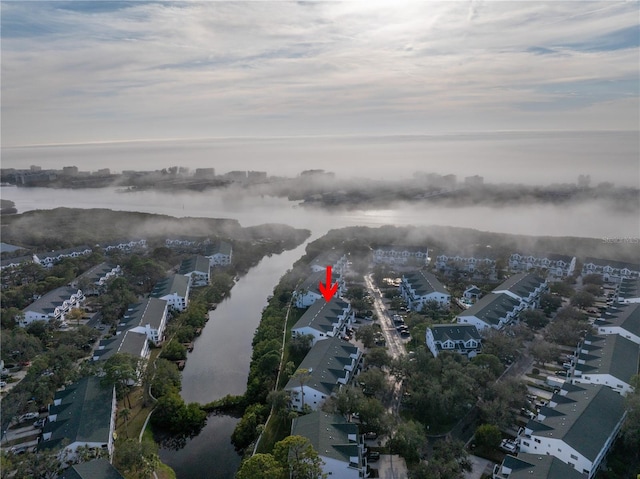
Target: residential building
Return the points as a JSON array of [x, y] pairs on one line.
[[479, 261], [49, 259], [401, 255], [149, 316], [491, 311], [94, 281], [418, 288], [338, 443], [610, 360], [10, 263], [611, 271], [328, 365], [82, 414], [128, 342], [181, 242], [459, 338], [174, 290], [52, 306], [524, 287], [324, 319], [629, 291], [197, 268], [472, 293], [557, 266], [219, 254], [578, 426], [534, 466], [308, 292], [622, 319], [124, 246], [94, 469], [338, 261]]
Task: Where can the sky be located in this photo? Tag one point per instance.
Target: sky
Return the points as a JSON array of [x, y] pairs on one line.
[[82, 72]]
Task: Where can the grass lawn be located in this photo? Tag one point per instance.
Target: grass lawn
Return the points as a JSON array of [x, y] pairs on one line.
[[276, 430]]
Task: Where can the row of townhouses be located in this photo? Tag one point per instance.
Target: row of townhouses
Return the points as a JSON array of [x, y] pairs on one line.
[[418, 288], [401, 255], [308, 291], [558, 266]]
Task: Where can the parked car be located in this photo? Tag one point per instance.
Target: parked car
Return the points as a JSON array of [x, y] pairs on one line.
[[40, 422], [373, 456], [28, 416], [561, 373], [370, 435], [3, 384], [527, 413], [508, 446]]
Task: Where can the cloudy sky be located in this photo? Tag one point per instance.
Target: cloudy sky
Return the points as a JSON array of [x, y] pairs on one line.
[[76, 72]]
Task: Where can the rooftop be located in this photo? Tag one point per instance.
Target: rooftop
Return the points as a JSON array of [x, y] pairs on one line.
[[221, 247], [424, 283], [97, 272], [314, 279], [613, 264], [49, 302], [492, 308], [151, 311], [194, 263], [322, 315], [539, 466], [454, 332], [614, 355], [521, 284], [174, 284], [625, 316], [95, 469], [328, 434], [629, 288]]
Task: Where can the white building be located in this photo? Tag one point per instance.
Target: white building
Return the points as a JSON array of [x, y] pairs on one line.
[[174, 290], [330, 364], [308, 292], [469, 262], [401, 255], [419, 287], [49, 259], [95, 280], [219, 254], [124, 246], [459, 338], [557, 266], [491, 311], [324, 320], [629, 291], [198, 269], [52, 306], [338, 261], [578, 426], [622, 319], [338, 443], [611, 271], [527, 288]]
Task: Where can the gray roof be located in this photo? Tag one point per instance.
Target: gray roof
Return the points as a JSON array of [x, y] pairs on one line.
[[613, 264], [325, 362], [9, 248], [176, 283], [424, 283], [197, 263], [411, 249], [97, 272], [84, 414], [16, 260], [49, 302], [539, 466], [66, 252], [589, 415], [95, 469], [150, 311], [612, 354], [328, 434], [492, 307], [454, 332], [129, 342], [314, 279], [625, 316], [521, 284], [629, 288], [329, 258], [222, 247], [321, 315]]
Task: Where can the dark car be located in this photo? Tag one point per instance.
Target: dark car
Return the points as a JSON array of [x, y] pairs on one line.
[[373, 456]]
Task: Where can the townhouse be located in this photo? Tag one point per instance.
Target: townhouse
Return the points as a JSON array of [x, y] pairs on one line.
[[578, 426], [337, 259], [472, 293], [326, 367], [149, 317], [621, 319], [339, 444], [197, 268], [446, 262], [219, 254], [11, 263], [49, 259], [534, 466], [52, 306], [308, 292], [174, 290], [82, 414], [610, 360], [130, 342], [629, 291], [611, 271], [94, 281], [124, 246], [491, 311], [401, 255], [526, 288], [460, 338], [557, 266], [94, 469], [419, 287], [324, 320]]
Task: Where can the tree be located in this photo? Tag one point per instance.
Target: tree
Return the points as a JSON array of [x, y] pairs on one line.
[[261, 466], [534, 318], [488, 435], [367, 334], [296, 455], [594, 279], [122, 371], [174, 351], [562, 288], [76, 314], [302, 376], [136, 459], [544, 352], [409, 440], [378, 357], [550, 303], [125, 414], [582, 299], [374, 382]]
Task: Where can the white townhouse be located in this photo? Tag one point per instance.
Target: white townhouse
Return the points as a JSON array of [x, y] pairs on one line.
[[124, 246], [324, 320], [401, 255], [95, 280], [219, 254], [83, 414], [471, 263], [607, 360], [308, 292], [339, 444], [420, 287], [131, 341], [180, 242], [149, 317], [534, 466], [491, 311], [337, 259], [174, 290], [629, 291], [52, 306], [611, 271], [524, 287], [198, 269], [578, 426], [472, 293], [621, 319], [328, 365], [11, 263], [460, 338], [49, 259], [558, 266]]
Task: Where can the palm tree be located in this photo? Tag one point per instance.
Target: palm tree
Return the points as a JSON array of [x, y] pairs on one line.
[[126, 414]]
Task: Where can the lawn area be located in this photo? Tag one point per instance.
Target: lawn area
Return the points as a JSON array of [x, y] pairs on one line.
[[276, 430], [137, 415]]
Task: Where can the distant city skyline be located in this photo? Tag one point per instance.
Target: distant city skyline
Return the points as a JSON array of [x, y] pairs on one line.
[[85, 72]]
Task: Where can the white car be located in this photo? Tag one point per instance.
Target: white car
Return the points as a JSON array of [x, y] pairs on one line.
[[29, 415], [508, 446], [3, 384]]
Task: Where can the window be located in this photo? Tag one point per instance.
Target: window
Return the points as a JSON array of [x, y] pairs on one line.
[[574, 457], [537, 440]]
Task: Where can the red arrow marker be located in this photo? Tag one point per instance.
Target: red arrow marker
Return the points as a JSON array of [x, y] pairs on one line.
[[329, 289]]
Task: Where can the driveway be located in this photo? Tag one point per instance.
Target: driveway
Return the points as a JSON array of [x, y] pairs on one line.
[[480, 467], [390, 467]]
